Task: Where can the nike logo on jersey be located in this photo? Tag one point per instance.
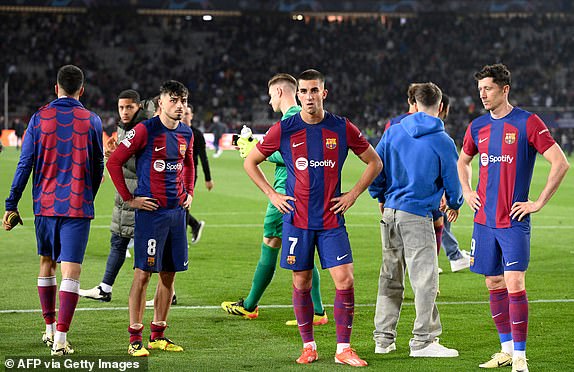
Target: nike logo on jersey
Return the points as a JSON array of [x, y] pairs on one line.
[[542, 131], [159, 148], [185, 263], [339, 258], [482, 140], [298, 144], [511, 263]]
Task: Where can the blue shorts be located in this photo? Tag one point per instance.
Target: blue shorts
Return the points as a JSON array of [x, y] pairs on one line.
[[298, 248], [494, 251], [62, 238], [160, 240]]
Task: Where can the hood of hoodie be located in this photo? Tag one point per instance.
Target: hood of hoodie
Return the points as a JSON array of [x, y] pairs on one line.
[[421, 124], [139, 116]]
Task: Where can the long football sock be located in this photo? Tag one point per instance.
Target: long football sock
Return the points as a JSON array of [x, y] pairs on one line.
[[303, 307], [499, 308], [47, 289], [519, 321], [344, 311], [69, 289], [438, 234], [262, 276], [316, 292]]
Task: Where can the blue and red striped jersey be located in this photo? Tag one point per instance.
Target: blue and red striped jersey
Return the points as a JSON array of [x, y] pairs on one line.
[[63, 145], [507, 149], [164, 162], [314, 155]]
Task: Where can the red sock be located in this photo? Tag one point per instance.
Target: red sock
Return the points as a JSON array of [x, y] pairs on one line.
[[344, 311], [303, 307], [500, 313], [438, 234], [68, 300], [135, 334], [157, 331], [519, 317], [47, 289]]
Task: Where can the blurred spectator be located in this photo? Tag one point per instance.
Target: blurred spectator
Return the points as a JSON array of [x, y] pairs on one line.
[[229, 57], [218, 128], [19, 129]]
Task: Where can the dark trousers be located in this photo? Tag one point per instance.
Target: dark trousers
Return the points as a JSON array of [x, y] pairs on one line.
[[192, 222], [116, 258]]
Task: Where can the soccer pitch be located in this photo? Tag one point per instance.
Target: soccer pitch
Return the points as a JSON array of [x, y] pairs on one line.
[[221, 269]]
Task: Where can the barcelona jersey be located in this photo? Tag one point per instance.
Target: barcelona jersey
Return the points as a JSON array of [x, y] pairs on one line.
[[164, 162], [507, 150], [314, 155], [63, 146]]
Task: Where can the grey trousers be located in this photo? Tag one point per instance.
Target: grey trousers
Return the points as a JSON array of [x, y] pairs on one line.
[[409, 243]]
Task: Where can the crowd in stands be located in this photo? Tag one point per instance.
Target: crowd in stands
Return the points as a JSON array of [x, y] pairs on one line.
[[226, 62]]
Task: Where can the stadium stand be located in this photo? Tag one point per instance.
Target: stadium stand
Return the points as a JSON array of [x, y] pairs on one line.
[[226, 61]]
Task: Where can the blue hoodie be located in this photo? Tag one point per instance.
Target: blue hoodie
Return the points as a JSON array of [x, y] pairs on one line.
[[419, 164]]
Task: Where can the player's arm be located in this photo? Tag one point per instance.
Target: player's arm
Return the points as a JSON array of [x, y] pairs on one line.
[[374, 167], [464, 166], [378, 187], [251, 166], [128, 147], [23, 170], [558, 168], [97, 154]]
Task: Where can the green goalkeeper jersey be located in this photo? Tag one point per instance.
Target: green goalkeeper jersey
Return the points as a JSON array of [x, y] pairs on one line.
[[280, 169]]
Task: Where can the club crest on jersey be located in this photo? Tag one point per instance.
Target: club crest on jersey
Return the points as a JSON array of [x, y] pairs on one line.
[[510, 138], [331, 143], [182, 149], [151, 261], [291, 260]]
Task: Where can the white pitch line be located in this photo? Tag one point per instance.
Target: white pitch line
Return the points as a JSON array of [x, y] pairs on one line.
[[177, 307]]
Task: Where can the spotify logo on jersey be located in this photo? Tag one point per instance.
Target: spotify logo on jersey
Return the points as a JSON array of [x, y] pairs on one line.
[[159, 165], [301, 164]]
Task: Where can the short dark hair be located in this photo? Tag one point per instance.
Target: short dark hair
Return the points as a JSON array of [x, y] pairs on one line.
[[427, 94], [312, 74], [173, 87], [499, 73], [411, 93], [283, 77], [445, 107], [70, 78], [445, 101], [130, 94]]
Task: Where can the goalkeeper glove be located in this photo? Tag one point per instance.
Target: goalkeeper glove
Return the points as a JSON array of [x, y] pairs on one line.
[[246, 145]]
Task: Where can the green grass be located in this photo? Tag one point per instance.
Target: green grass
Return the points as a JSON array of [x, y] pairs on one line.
[[221, 268]]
